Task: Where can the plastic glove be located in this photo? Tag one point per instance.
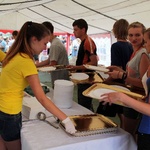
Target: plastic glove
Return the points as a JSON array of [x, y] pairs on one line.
[[69, 126]]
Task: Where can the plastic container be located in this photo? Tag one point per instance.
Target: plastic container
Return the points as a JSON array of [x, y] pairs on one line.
[[63, 93]]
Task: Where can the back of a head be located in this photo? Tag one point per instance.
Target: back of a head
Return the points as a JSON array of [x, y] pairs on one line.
[[120, 29], [80, 23], [49, 26], [15, 33]]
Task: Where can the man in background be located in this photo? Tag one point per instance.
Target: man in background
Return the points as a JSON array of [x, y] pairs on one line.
[[14, 35], [86, 55], [58, 54]]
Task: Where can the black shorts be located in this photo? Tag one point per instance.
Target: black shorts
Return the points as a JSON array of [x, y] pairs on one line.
[[109, 110], [10, 126], [143, 141], [84, 100], [131, 113]]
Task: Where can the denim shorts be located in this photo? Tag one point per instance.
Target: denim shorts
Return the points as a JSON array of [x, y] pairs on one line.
[[10, 126]]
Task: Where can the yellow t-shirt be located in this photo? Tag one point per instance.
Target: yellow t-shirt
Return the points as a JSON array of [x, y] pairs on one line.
[[2, 55], [13, 83]]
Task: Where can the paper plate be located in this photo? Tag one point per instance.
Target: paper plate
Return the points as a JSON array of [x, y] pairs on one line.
[[79, 76], [121, 87], [98, 92], [98, 68], [51, 68]]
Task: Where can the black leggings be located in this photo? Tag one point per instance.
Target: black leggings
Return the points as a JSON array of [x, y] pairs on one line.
[[143, 141]]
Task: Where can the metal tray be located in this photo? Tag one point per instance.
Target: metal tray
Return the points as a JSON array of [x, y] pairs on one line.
[[88, 92], [92, 124]]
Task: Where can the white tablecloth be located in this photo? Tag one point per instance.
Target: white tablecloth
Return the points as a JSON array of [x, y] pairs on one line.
[[38, 135]]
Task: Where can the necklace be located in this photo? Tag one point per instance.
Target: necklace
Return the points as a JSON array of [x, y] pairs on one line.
[[133, 54]]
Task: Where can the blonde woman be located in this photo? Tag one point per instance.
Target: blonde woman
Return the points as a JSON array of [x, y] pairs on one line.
[[140, 106], [135, 70]]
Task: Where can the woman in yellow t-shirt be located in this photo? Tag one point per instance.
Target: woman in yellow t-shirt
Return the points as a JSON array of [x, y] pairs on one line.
[[18, 72]]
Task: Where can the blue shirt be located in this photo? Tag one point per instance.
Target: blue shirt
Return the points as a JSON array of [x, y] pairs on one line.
[[145, 121]]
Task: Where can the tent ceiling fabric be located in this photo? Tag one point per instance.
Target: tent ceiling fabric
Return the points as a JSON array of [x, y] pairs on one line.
[[99, 14]]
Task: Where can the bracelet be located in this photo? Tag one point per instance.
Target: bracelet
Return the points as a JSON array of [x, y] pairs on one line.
[[124, 76]]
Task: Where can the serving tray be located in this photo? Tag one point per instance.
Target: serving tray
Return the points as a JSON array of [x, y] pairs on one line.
[[100, 86], [93, 78], [92, 124]]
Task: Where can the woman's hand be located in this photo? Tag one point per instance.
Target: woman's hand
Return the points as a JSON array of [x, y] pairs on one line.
[[115, 74], [112, 97], [116, 68], [71, 67], [69, 126]]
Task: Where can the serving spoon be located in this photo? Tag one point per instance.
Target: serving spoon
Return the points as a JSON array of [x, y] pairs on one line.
[[42, 116]]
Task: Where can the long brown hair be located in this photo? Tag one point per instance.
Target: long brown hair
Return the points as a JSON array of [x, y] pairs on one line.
[[22, 42]]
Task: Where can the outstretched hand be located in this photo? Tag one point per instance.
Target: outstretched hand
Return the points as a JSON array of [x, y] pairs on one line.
[[115, 72], [112, 97], [116, 68]]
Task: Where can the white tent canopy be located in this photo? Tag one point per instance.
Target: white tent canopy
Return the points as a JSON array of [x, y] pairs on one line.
[[100, 14]]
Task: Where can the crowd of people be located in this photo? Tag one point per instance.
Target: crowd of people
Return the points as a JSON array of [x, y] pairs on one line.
[[6, 42], [130, 65]]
